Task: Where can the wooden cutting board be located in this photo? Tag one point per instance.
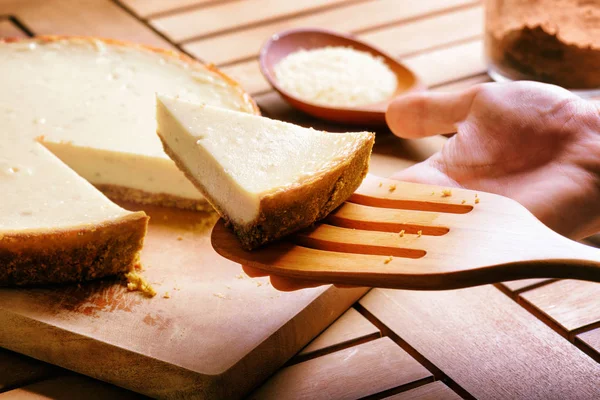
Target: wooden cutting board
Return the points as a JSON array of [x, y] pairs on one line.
[[219, 334]]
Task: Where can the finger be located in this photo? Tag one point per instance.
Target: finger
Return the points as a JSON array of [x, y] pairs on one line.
[[424, 114], [254, 272], [288, 285]]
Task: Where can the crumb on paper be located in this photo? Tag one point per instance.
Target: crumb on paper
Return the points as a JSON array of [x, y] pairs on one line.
[[166, 295], [179, 238], [446, 193], [240, 276], [388, 260], [137, 283], [433, 193], [220, 295], [476, 195], [392, 187], [228, 287], [177, 289], [477, 200], [463, 202], [380, 184], [258, 283], [401, 233], [419, 233]]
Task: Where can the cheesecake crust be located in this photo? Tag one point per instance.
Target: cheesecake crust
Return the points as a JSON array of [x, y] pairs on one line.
[[72, 255], [122, 193], [299, 206]]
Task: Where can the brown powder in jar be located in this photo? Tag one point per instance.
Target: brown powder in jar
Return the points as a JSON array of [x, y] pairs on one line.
[[554, 41]]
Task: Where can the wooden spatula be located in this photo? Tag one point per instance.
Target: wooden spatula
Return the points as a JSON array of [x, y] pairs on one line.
[[409, 236]]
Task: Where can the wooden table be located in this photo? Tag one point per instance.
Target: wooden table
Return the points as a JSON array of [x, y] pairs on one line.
[[525, 339]]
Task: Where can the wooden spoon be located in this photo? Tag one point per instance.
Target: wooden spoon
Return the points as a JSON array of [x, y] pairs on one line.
[[284, 43], [409, 236]]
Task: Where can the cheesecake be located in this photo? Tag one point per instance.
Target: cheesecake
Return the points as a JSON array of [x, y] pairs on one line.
[[91, 103], [266, 178], [56, 227], [77, 124]]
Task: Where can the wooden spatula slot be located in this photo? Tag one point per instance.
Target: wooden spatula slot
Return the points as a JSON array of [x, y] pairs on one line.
[[418, 205], [343, 240], [367, 218]]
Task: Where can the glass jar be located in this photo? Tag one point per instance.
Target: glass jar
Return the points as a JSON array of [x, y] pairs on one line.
[[552, 41]]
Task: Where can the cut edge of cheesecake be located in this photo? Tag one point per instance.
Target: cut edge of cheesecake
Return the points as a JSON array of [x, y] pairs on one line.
[[296, 206], [83, 253], [136, 195]]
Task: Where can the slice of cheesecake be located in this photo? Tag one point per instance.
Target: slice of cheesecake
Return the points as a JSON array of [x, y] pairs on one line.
[[266, 178], [54, 226], [92, 103]]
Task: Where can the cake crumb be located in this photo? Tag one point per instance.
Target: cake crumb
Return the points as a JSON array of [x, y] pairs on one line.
[[179, 238], [419, 233], [220, 295], [380, 184], [166, 295], [433, 193], [240, 276], [392, 187], [477, 200], [258, 283], [446, 193], [463, 202], [228, 287], [388, 260], [137, 283], [401, 233]]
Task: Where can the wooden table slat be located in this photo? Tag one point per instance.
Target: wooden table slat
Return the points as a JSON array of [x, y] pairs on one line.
[[353, 373], [486, 343], [423, 35], [145, 8], [229, 15], [432, 391], [590, 341], [246, 43], [350, 329], [9, 29], [524, 284], [70, 387], [463, 83], [17, 370], [569, 303], [61, 17], [449, 64]]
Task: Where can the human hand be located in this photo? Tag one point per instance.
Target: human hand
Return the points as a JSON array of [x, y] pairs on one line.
[[536, 143]]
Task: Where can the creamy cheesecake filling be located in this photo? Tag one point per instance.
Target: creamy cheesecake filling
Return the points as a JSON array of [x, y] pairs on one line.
[[39, 193], [102, 167], [241, 158], [94, 105]]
